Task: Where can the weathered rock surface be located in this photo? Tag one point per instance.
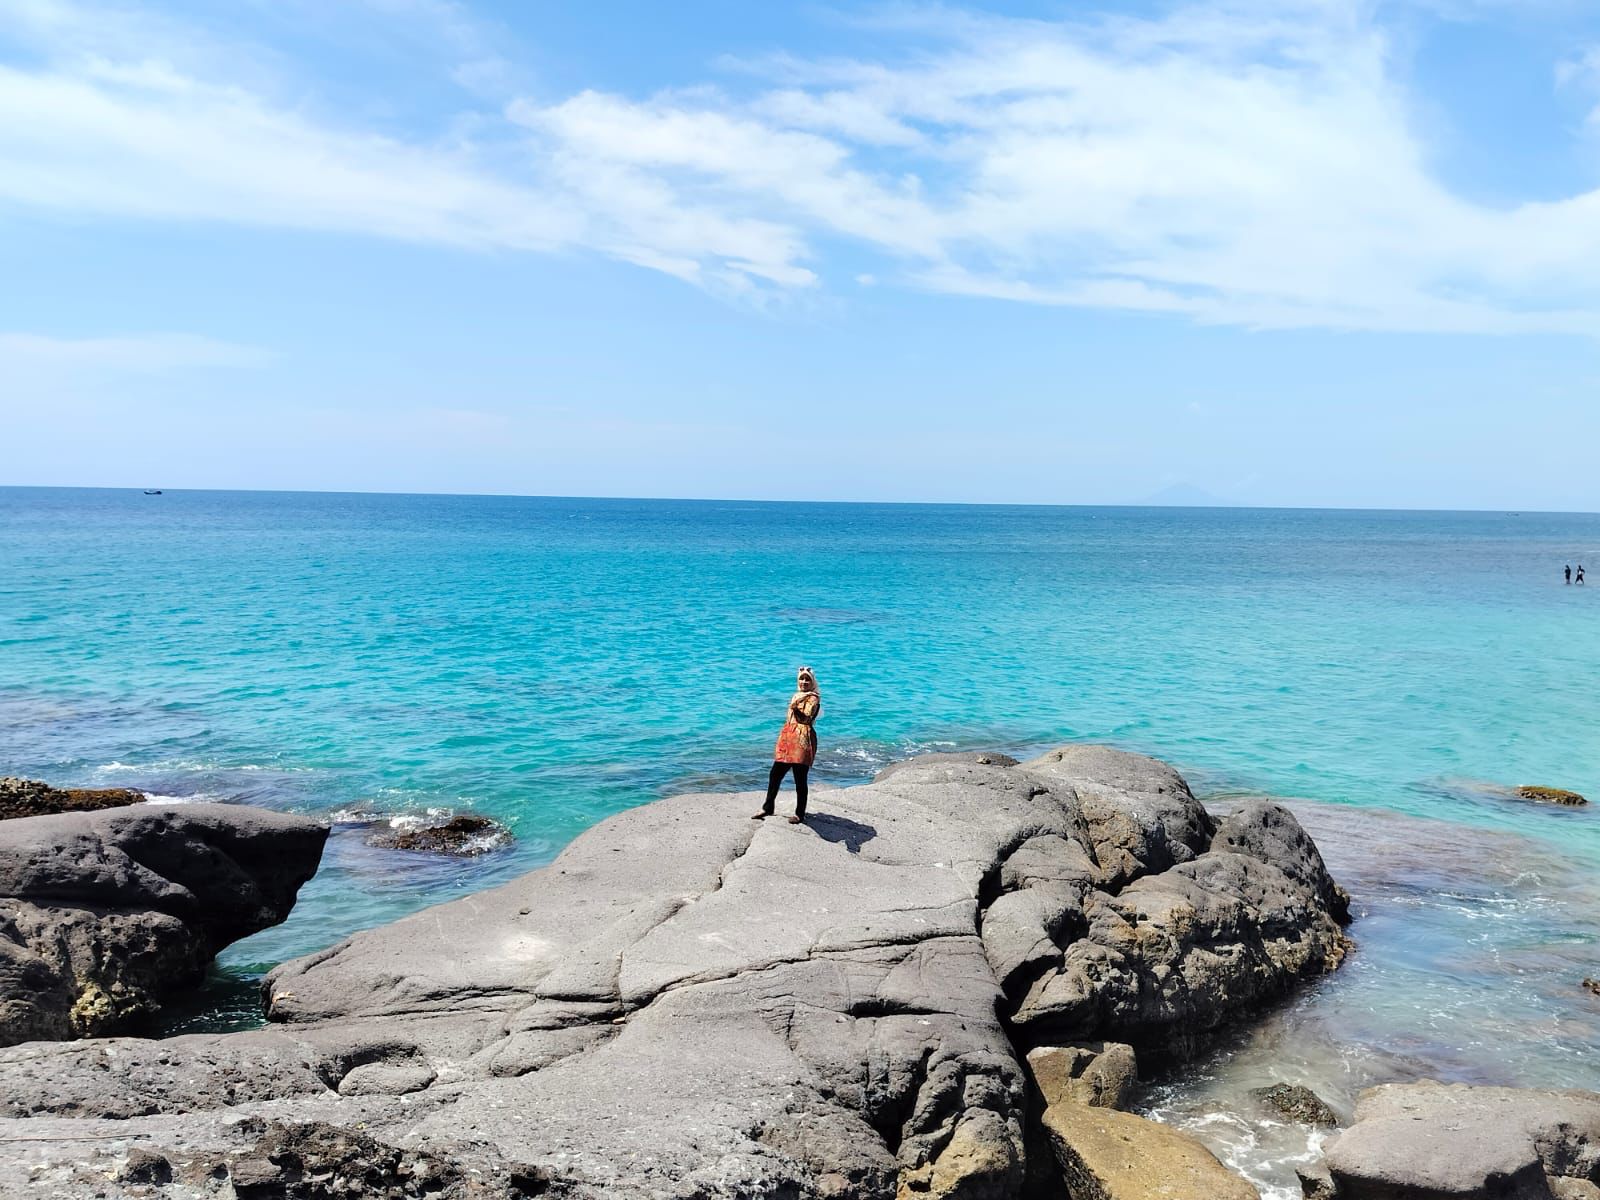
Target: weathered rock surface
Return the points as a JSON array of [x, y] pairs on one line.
[[1109, 1155], [687, 1003], [31, 798], [1430, 1141], [1101, 1074], [102, 914], [1166, 923], [973, 758], [1115, 1155]]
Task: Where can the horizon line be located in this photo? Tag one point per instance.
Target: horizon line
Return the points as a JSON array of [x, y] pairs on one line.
[[1223, 506]]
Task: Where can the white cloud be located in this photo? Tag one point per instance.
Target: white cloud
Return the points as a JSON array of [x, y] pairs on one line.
[[143, 141], [1236, 161]]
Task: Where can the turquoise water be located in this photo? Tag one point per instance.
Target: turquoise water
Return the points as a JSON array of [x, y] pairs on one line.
[[552, 661]]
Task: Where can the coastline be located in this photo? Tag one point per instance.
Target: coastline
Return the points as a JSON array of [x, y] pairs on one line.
[[917, 910]]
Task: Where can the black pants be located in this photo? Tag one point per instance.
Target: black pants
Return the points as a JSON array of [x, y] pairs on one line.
[[775, 777]]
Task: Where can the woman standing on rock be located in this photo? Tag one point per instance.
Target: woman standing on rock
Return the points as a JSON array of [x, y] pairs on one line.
[[797, 746]]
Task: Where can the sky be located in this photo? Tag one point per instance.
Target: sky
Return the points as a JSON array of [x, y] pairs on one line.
[[1273, 252]]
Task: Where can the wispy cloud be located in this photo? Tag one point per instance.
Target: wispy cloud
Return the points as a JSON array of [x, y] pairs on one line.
[[1238, 162]]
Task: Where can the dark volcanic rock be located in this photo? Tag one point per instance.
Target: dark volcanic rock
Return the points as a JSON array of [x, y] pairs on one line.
[[1269, 832], [314, 1160], [1550, 795], [465, 835], [102, 914], [30, 798], [1422, 1141], [687, 1003], [1297, 1103]]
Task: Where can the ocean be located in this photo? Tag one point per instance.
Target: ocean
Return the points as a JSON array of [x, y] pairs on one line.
[[549, 662]]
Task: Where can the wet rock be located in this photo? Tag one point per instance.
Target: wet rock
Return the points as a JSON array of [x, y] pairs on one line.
[[690, 1003], [30, 798], [465, 835], [1426, 1140], [104, 914], [1297, 1103], [1101, 1074], [1109, 1155], [1591, 985], [1550, 795]]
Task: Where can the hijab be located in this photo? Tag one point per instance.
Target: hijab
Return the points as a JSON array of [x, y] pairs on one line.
[[803, 690]]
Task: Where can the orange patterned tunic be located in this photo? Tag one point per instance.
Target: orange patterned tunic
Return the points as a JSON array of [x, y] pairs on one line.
[[798, 741]]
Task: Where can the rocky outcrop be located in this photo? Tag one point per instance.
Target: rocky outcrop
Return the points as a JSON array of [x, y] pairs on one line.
[[103, 914], [1109, 1155], [1297, 1103], [1158, 925], [1101, 1075], [466, 836], [1550, 795], [687, 1003], [1424, 1141], [1103, 1155], [30, 798]]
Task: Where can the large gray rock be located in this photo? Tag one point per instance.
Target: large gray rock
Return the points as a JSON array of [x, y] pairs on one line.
[[1174, 953], [1432, 1141], [103, 914], [1269, 832], [1142, 817], [687, 1003]]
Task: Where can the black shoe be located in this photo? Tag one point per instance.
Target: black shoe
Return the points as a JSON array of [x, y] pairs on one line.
[[760, 816]]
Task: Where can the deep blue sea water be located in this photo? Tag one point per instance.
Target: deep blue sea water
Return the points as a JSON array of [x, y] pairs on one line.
[[551, 661]]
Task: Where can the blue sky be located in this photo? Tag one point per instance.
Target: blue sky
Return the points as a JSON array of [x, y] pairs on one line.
[[1303, 252]]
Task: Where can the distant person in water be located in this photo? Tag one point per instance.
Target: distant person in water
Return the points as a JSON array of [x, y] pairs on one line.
[[1569, 572], [797, 746], [1579, 579]]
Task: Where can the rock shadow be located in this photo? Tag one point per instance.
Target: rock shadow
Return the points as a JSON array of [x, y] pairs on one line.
[[831, 827]]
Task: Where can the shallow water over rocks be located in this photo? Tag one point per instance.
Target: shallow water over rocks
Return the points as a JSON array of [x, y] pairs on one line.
[[1471, 948]]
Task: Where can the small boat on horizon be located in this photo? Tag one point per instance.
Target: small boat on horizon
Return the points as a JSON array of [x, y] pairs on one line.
[[152, 491]]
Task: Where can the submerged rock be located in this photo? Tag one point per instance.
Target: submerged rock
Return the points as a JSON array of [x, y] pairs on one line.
[[688, 1003], [31, 798], [1421, 1141], [464, 835], [1297, 1103], [1550, 795], [104, 914]]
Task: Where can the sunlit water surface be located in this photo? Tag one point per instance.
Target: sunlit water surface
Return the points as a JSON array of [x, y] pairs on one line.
[[549, 662]]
